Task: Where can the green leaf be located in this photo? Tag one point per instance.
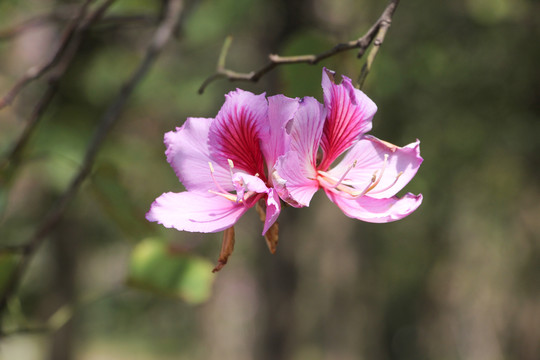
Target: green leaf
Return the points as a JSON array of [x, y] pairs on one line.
[[154, 266]]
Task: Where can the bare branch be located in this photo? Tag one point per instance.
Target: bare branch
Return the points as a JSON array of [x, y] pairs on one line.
[[63, 13], [36, 72], [385, 22], [77, 25], [12, 157], [361, 43], [106, 23], [161, 36]]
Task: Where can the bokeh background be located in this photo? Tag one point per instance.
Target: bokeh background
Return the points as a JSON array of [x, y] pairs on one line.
[[458, 279]]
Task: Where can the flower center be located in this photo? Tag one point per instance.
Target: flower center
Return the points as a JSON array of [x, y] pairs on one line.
[[241, 195], [343, 185]]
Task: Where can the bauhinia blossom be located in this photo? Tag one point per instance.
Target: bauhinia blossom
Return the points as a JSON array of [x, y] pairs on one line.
[[364, 183], [221, 163]]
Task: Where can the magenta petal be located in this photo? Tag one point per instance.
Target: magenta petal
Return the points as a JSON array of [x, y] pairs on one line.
[[298, 178], [237, 130], [349, 115], [188, 153], [369, 153], [195, 211], [273, 208], [281, 110], [377, 210]]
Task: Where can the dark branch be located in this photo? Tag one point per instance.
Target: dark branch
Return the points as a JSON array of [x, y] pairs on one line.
[[36, 72], [361, 43], [12, 158], [107, 22], [161, 37]]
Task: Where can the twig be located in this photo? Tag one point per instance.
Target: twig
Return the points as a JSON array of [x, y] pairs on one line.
[[361, 43], [78, 24], [63, 13], [386, 21], [36, 72], [12, 158], [59, 16], [161, 37]]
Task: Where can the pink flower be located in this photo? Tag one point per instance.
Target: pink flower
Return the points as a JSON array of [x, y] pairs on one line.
[[221, 163], [364, 183]]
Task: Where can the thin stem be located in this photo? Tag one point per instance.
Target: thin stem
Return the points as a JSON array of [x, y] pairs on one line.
[[361, 44]]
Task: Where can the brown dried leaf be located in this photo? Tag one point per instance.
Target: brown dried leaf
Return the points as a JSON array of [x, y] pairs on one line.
[[261, 210], [272, 237], [227, 247]]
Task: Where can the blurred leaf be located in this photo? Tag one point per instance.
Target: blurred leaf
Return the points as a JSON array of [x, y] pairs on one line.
[[8, 262], [60, 317], [154, 266], [116, 202]]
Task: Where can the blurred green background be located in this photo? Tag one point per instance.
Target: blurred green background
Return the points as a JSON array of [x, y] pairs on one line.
[[457, 279]]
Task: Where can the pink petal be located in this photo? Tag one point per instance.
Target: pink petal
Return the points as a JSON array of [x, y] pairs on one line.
[[306, 129], [281, 110], [369, 154], [237, 130], [273, 208], [243, 182], [377, 210], [349, 115], [296, 179], [188, 153], [195, 211], [295, 174]]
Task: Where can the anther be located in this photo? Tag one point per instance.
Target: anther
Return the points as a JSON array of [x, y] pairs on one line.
[[377, 181], [231, 167]]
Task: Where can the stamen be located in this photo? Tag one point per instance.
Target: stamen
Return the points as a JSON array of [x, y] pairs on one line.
[[226, 195], [231, 167], [214, 179], [240, 196], [392, 184], [380, 176], [345, 173], [341, 186]]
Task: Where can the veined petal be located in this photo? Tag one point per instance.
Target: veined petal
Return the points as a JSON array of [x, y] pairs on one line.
[[273, 208], [195, 211], [189, 155], [281, 110], [385, 177], [377, 210], [298, 178], [349, 115], [305, 130], [236, 132]]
